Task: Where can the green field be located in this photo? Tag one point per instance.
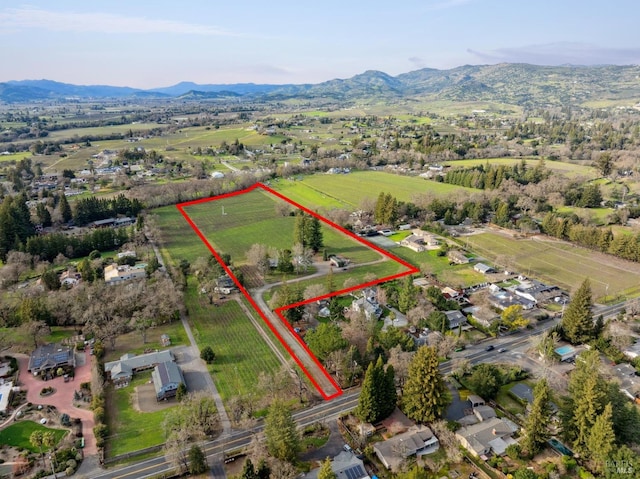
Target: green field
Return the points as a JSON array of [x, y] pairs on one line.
[[348, 191], [241, 353], [17, 435], [131, 430], [562, 263], [252, 218], [560, 166]]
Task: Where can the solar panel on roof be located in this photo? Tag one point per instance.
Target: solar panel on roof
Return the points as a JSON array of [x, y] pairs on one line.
[[355, 472]]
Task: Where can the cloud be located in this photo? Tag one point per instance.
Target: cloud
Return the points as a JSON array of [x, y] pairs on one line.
[[561, 53], [417, 62], [13, 19]]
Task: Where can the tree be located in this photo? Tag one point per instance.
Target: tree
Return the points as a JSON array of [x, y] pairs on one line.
[[282, 438], [407, 295], [207, 354], [50, 280], [315, 238], [325, 471], [536, 426], [425, 395], [601, 441], [485, 380], [37, 440], [604, 164], [524, 473], [378, 396], [588, 406], [512, 317], [197, 460], [65, 209], [181, 392], [327, 337], [259, 257], [622, 464], [577, 322]]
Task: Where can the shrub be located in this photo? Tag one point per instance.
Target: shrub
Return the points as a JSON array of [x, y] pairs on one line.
[[98, 413], [207, 354], [94, 254], [569, 462], [513, 451], [65, 420]]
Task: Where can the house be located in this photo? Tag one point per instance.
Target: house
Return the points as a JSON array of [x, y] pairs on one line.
[[476, 401], [456, 319], [417, 440], [126, 221], [484, 413], [368, 303], [626, 376], [225, 285], [483, 268], [485, 437], [165, 340], [345, 465], [127, 254], [413, 242], [50, 357], [483, 315], [103, 223], [633, 351], [6, 391], [457, 257], [121, 371], [502, 299], [536, 291], [166, 378], [114, 273], [69, 279]]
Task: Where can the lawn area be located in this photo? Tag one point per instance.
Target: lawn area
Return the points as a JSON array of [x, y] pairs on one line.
[[130, 430], [560, 166], [252, 218], [596, 215], [241, 353], [348, 191], [17, 435], [459, 275], [132, 342], [562, 263]]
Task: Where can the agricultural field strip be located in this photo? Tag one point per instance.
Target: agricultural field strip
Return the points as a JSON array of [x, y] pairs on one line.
[[410, 270]]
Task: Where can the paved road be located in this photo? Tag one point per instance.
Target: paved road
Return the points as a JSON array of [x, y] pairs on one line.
[[214, 450]]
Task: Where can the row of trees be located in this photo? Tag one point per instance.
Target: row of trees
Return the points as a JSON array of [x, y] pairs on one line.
[[94, 208], [491, 176]]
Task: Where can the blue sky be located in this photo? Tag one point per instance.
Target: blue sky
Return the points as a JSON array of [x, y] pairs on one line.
[[148, 44]]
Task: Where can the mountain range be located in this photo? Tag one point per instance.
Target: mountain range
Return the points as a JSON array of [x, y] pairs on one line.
[[516, 84]]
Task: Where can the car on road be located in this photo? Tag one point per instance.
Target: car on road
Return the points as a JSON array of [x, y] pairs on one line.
[[502, 350], [489, 348]]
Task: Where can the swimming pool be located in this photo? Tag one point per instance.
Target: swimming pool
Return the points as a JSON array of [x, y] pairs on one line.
[[564, 350]]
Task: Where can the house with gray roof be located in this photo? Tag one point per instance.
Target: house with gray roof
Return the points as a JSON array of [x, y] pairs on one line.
[[166, 378], [121, 371], [417, 440], [487, 437], [50, 357], [456, 319], [345, 465]]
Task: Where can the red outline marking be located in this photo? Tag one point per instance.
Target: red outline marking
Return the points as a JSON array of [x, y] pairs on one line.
[[411, 269]]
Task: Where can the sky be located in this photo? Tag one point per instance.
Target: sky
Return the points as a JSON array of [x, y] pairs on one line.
[[149, 44]]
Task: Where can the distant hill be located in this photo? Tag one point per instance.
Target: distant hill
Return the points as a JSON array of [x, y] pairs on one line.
[[516, 84]]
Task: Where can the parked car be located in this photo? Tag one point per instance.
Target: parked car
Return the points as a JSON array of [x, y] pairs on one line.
[[386, 232]]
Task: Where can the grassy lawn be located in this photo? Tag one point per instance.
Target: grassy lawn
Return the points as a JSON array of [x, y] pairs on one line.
[[241, 353], [132, 341], [17, 435], [560, 166], [508, 402], [597, 215], [562, 263], [131, 430], [348, 190]]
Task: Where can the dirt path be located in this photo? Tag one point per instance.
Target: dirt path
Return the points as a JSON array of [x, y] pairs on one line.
[[62, 399]]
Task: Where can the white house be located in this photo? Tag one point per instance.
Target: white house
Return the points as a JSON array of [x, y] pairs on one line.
[[418, 440]]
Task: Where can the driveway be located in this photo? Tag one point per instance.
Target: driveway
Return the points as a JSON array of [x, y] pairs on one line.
[[332, 448], [62, 399]]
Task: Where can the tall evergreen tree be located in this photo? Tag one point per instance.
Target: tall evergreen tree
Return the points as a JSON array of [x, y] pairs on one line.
[[407, 295], [378, 396], [282, 438], [315, 240], [299, 229], [602, 439], [325, 471], [425, 395], [588, 406], [577, 322], [65, 209], [536, 427]]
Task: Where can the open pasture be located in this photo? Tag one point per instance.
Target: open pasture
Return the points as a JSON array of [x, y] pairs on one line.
[[571, 169], [252, 218], [561, 263], [349, 190]]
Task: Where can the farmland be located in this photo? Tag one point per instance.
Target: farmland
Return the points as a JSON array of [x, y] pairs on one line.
[[252, 218], [562, 263], [349, 190], [569, 169], [241, 353]]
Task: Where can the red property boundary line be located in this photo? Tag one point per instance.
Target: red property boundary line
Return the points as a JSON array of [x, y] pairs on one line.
[[410, 270]]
